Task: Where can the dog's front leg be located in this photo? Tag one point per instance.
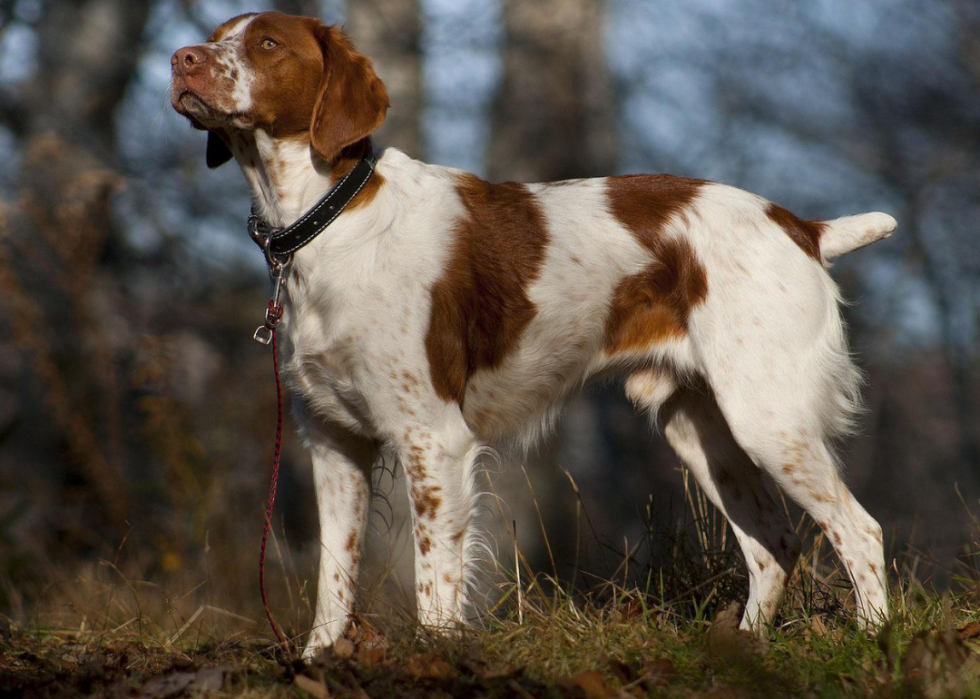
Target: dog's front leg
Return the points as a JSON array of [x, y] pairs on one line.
[[438, 458], [341, 475]]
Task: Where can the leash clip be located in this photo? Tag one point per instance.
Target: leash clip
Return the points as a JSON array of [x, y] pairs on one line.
[[273, 314]]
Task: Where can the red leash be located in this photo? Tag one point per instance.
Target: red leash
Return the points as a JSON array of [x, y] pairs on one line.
[[272, 317]]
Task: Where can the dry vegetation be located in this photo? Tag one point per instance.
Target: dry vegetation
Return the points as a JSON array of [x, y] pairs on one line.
[[103, 633]]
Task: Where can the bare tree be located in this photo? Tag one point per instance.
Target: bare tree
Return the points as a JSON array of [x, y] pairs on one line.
[[553, 117], [309, 8], [388, 31], [63, 229]]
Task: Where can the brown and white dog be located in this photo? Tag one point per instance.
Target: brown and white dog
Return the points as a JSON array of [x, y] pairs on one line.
[[441, 313]]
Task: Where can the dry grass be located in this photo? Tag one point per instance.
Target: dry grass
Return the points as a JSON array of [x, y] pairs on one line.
[[623, 646], [102, 633]]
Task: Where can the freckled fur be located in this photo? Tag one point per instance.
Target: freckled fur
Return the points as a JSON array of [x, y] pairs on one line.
[[441, 314]]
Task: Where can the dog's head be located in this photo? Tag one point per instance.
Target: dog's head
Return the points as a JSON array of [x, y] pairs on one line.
[[290, 76]]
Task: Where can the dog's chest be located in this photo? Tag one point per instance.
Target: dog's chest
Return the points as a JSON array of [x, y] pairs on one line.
[[351, 324], [329, 350]]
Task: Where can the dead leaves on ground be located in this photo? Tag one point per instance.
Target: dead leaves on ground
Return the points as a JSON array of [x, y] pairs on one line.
[[935, 663], [178, 684], [115, 670], [944, 662], [365, 666]]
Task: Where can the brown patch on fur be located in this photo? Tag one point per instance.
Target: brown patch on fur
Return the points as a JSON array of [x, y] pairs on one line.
[[425, 545], [425, 501], [317, 87], [295, 67], [644, 203], [806, 234], [351, 541], [423, 496], [654, 305], [480, 305], [352, 100]]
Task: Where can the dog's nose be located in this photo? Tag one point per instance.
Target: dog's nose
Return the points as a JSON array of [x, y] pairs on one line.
[[188, 59]]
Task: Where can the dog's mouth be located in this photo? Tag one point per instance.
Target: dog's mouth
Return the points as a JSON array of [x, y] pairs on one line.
[[190, 104]]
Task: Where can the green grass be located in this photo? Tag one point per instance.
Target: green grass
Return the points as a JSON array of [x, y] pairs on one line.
[[101, 633], [622, 643]]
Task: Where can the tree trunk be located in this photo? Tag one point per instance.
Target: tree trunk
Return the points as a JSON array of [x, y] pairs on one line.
[[388, 31], [554, 117]]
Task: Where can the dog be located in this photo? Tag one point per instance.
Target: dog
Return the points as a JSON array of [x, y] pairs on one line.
[[440, 314]]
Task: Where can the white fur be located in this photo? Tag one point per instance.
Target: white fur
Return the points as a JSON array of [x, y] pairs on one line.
[[768, 340], [229, 57], [849, 233], [754, 391]]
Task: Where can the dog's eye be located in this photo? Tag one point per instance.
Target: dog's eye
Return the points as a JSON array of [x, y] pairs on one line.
[[268, 43]]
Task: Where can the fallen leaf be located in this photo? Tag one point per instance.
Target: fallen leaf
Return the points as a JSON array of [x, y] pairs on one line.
[[343, 648], [659, 672], [369, 655], [429, 666], [590, 683], [314, 688], [971, 630], [817, 627]]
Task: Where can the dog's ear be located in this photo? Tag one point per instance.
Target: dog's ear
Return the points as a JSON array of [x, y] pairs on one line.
[[217, 153], [351, 102]]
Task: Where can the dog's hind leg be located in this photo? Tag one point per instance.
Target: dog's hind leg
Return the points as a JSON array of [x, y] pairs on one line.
[[802, 465], [699, 435], [786, 385]]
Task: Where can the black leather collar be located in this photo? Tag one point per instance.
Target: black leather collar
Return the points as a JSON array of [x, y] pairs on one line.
[[280, 243]]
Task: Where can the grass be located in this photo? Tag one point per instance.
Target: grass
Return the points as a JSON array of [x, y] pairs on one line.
[[623, 647], [674, 635]]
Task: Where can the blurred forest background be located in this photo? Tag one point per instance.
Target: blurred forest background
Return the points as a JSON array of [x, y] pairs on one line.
[[136, 415]]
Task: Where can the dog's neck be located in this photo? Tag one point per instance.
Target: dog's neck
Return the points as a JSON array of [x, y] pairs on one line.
[[286, 175]]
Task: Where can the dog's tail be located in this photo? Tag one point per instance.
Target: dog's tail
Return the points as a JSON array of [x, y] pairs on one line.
[[842, 235]]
